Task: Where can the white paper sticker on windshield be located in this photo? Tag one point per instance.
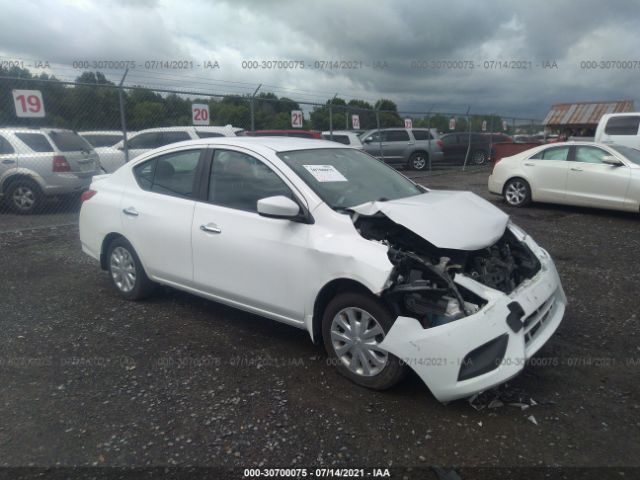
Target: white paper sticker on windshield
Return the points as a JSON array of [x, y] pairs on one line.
[[325, 173]]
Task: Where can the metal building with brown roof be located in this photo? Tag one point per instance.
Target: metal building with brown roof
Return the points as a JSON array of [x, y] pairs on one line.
[[583, 114]]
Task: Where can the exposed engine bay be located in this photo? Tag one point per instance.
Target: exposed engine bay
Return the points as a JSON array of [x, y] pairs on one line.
[[422, 282]]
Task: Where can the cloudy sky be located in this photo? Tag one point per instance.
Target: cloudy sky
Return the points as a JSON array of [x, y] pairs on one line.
[[396, 36]]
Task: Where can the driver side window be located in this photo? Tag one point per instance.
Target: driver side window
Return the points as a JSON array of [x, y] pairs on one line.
[[239, 180]]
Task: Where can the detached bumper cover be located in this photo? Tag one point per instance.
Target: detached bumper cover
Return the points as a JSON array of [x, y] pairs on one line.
[[441, 355]]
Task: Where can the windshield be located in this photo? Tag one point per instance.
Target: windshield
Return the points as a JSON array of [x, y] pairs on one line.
[[632, 154], [344, 177]]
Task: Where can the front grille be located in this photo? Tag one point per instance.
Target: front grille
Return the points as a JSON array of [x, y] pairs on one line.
[[535, 323]]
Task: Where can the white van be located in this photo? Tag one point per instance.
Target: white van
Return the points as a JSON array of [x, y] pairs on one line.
[[620, 128]]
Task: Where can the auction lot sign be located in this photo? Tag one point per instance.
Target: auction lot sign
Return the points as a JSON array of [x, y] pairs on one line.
[[28, 103], [355, 122], [296, 118], [200, 113]]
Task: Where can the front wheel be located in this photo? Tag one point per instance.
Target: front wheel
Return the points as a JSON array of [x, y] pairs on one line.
[[353, 326], [418, 161], [127, 274], [517, 192]]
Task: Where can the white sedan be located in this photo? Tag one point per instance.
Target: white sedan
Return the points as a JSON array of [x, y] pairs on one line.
[[389, 275], [574, 173]]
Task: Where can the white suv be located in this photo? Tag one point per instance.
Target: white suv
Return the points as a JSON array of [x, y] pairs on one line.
[[112, 158], [35, 163]]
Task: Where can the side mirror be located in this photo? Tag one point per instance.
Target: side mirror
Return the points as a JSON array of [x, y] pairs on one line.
[[278, 207], [611, 160]]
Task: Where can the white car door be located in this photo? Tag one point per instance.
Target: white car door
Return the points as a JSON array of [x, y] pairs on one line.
[[240, 256], [547, 173], [591, 182], [157, 212]]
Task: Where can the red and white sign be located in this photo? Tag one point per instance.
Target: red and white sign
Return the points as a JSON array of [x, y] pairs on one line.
[[355, 122], [484, 125], [296, 118], [504, 125], [200, 114], [408, 123], [28, 103], [452, 123]]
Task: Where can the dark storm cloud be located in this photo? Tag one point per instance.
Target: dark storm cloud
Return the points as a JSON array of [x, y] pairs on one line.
[[398, 33]]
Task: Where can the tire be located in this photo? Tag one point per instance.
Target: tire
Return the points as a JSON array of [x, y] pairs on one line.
[[346, 313], [479, 157], [418, 161], [517, 192], [123, 263], [24, 196]]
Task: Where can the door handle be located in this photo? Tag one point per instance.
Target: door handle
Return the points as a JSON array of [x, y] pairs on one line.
[[529, 164], [574, 169], [210, 228], [132, 212], [8, 161]]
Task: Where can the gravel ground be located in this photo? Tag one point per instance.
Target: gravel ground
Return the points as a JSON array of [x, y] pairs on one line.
[[90, 379]]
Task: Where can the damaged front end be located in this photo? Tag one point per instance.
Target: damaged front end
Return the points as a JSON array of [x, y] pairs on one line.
[[422, 284], [467, 318]]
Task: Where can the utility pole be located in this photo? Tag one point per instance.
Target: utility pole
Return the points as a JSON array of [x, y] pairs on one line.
[[253, 123], [331, 116], [123, 121]]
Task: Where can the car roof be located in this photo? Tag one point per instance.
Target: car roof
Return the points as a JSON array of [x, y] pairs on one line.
[[187, 128], [103, 132], [340, 132], [33, 130], [274, 144]]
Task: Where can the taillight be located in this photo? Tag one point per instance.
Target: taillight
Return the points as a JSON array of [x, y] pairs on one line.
[[440, 143], [87, 194], [60, 164]]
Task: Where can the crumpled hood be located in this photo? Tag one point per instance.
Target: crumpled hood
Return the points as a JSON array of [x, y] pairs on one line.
[[446, 218]]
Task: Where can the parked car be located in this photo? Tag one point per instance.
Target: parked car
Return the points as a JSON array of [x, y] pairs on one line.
[[574, 173], [284, 133], [328, 239], [346, 137], [112, 158], [456, 145], [619, 128], [42, 162], [103, 138], [526, 139], [407, 147]]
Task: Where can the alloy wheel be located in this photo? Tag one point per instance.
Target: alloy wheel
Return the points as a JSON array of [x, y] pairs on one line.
[[516, 193], [24, 198]]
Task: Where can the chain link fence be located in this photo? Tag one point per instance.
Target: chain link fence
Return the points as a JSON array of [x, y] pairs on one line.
[[56, 135]]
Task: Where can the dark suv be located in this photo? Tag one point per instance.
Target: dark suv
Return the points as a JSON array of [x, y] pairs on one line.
[[455, 146]]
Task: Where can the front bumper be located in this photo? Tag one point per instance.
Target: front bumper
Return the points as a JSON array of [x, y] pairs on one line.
[[437, 354], [495, 186]]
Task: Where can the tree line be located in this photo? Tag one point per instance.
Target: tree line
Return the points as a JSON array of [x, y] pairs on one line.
[[91, 103]]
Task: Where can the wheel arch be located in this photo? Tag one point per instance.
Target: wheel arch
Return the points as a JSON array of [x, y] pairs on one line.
[[324, 296], [18, 175], [106, 241]]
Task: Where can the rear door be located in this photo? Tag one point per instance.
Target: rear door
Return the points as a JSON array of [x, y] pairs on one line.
[[593, 183], [157, 212], [546, 172], [623, 130]]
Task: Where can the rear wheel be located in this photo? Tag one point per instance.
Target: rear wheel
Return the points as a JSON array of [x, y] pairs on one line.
[[127, 274], [418, 161], [517, 192], [479, 157], [24, 196], [353, 326]]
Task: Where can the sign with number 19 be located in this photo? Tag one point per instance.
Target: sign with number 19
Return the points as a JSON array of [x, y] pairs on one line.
[[28, 103]]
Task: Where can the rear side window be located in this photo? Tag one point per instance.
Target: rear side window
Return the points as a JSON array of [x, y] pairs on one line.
[[102, 140], [209, 134], [173, 137], [557, 153], [589, 154], [396, 136], [622, 126], [421, 135], [172, 174], [35, 141], [338, 138], [145, 140], [69, 141], [5, 146]]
